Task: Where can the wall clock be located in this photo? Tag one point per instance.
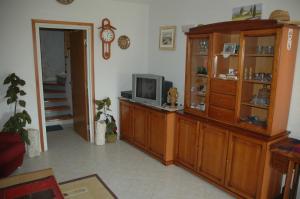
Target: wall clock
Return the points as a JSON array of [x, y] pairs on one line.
[[107, 36], [124, 42], [65, 2]]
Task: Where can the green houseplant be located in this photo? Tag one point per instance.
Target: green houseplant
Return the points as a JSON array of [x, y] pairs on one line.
[[103, 107], [17, 122]]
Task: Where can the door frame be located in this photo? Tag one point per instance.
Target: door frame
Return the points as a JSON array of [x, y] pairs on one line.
[[52, 24]]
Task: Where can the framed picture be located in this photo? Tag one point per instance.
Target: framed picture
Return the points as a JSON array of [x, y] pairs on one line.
[[229, 48], [247, 12], [167, 36]]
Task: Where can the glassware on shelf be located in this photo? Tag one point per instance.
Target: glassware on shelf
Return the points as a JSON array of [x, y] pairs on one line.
[[254, 119], [265, 50], [202, 70], [203, 47]]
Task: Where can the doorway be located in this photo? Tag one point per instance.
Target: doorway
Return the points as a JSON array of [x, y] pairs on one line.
[[65, 94]]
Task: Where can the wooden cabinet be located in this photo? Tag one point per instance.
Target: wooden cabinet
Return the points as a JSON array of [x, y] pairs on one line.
[[148, 128], [241, 73], [140, 120], [213, 152], [126, 115], [156, 132], [187, 142], [229, 157], [245, 166]]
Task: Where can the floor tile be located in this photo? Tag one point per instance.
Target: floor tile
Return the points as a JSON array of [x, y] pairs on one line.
[[129, 172]]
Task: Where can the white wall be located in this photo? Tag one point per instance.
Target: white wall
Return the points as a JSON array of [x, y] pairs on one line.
[[53, 55], [171, 64], [112, 76]]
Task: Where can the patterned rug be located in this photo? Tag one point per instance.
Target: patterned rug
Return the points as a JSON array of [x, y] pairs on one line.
[[89, 187], [43, 185]]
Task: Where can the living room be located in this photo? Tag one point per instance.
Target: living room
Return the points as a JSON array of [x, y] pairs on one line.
[[140, 20]]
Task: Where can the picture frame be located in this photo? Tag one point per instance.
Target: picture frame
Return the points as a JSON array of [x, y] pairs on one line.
[[167, 36], [253, 11], [229, 48]]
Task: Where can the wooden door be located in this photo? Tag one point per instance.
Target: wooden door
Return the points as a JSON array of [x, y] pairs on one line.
[[245, 165], [79, 82], [140, 118], [126, 111], [186, 142], [213, 152], [157, 132]]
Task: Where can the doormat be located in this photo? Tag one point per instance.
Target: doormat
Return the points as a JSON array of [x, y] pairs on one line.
[[54, 128], [89, 187]]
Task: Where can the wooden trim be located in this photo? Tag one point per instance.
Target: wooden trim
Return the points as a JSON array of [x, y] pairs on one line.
[[242, 25], [37, 83], [56, 22], [36, 67], [93, 77], [231, 127]]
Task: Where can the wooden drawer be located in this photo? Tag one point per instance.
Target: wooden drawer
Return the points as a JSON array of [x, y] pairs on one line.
[[223, 101], [223, 86], [222, 114]]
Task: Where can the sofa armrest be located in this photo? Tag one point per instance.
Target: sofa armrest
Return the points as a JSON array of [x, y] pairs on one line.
[[10, 137]]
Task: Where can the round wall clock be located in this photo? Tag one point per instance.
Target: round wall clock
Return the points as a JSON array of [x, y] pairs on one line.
[[65, 2], [107, 36], [124, 42]]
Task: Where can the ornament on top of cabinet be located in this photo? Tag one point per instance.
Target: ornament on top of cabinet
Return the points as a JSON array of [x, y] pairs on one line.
[[65, 2], [173, 96], [107, 36], [124, 42]]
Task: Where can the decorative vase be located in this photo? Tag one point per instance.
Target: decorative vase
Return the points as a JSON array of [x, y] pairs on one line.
[[33, 149], [111, 138], [100, 132]]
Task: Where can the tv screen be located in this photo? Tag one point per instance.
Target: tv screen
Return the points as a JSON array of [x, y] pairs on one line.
[[146, 88]]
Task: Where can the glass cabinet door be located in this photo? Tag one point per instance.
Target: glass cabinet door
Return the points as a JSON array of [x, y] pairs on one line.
[[226, 56], [199, 73], [257, 79]]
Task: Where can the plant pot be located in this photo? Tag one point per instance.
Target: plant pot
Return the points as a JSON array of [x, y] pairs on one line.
[[33, 149], [111, 138], [100, 132]]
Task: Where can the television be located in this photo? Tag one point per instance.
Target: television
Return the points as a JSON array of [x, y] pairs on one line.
[[150, 89]]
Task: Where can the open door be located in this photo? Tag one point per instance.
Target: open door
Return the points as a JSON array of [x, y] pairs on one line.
[[79, 82]]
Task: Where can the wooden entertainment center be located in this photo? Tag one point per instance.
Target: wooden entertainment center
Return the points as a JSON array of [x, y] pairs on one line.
[[238, 85]]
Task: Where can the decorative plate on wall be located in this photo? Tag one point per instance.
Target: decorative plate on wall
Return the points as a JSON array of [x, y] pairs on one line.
[[65, 2], [124, 42]]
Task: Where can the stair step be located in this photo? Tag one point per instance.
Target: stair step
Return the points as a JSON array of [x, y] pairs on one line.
[[55, 99], [54, 91], [53, 84], [60, 117], [57, 108]]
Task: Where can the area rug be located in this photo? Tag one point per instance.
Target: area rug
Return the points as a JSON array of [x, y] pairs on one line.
[[54, 128], [89, 187], [33, 185]]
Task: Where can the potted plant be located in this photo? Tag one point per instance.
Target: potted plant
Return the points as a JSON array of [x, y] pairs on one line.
[[103, 107], [20, 118]]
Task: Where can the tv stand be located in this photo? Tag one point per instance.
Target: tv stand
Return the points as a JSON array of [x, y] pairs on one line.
[[148, 128]]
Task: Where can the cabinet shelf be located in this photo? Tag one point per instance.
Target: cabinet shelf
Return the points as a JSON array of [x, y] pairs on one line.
[[257, 82], [259, 55], [200, 54], [256, 127], [201, 75], [256, 105], [197, 93], [231, 55]]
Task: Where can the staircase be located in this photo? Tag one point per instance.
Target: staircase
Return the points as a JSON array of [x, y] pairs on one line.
[[57, 109]]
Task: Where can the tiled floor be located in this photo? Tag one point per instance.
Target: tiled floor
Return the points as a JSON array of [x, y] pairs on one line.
[[128, 172]]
